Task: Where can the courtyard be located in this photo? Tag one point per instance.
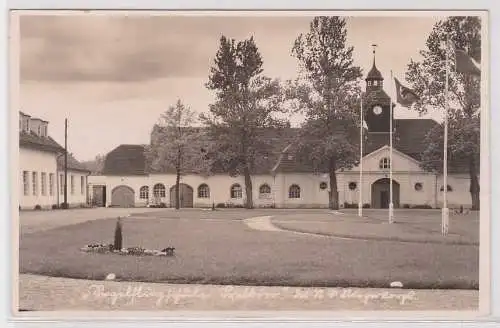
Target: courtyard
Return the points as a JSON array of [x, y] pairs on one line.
[[219, 247]]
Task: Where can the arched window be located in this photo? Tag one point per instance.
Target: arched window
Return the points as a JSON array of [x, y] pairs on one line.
[[159, 190], [203, 191], [264, 189], [294, 191], [144, 192], [236, 191], [385, 163], [447, 189]]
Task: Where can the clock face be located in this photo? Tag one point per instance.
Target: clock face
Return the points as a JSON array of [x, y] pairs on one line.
[[377, 110]]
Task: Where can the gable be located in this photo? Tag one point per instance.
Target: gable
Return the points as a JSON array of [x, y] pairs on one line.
[[401, 161]]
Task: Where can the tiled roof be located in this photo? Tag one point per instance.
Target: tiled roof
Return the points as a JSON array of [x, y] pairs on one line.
[[409, 135], [409, 138], [125, 160], [34, 141], [73, 164]]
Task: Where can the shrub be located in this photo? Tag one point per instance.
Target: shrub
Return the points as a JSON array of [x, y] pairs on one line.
[[118, 235], [163, 205], [65, 206], [38, 207], [406, 205], [55, 206], [425, 206], [220, 205], [366, 205], [350, 205]]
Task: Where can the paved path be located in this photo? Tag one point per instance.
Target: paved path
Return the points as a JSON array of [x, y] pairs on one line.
[[51, 294]]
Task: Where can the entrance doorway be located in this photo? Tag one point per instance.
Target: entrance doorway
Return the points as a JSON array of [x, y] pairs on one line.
[[381, 193], [123, 196], [185, 195], [99, 196]]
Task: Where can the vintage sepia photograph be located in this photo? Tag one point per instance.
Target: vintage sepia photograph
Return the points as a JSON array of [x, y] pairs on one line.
[[249, 161]]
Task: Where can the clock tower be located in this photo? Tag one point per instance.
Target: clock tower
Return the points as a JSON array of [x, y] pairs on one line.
[[376, 103]]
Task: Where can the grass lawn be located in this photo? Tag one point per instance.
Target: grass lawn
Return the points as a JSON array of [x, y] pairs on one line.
[[410, 225], [224, 251]]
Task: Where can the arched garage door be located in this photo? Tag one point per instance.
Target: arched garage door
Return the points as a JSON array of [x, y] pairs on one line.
[[123, 196]]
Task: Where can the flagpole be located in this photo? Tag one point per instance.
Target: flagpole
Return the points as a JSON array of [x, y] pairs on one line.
[[360, 203], [445, 211], [391, 204]]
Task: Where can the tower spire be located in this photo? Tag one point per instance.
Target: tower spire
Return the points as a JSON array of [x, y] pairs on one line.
[[374, 50], [374, 74]]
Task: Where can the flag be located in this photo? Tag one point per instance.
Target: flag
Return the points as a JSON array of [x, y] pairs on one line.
[[464, 63], [405, 96]]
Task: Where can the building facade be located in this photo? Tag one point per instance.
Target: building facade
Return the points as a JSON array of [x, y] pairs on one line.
[[40, 170], [288, 183], [77, 182]]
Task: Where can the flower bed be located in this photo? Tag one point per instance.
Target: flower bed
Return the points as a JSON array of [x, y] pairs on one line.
[[137, 251]]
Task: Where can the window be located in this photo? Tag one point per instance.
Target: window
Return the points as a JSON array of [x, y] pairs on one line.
[[236, 191], [203, 191], [418, 186], [264, 191], [72, 184], [159, 190], [61, 184], [447, 189], [352, 185], [323, 185], [39, 130], [144, 192], [51, 184], [26, 183], [26, 124], [375, 83], [44, 183], [35, 183], [82, 184], [294, 191], [384, 163]]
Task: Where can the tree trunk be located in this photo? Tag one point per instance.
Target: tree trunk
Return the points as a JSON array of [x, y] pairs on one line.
[[177, 189], [334, 195], [474, 184], [248, 189]]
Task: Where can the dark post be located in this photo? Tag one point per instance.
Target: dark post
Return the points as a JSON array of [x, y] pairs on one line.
[[65, 204]]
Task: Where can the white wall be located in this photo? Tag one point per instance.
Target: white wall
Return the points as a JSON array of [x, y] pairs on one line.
[[311, 196], [460, 194], [77, 196], [37, 161]]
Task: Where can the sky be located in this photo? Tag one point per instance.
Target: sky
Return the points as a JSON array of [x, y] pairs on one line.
[[112, 76]]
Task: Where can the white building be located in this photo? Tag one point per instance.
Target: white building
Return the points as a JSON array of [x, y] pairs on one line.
[[284, 182], [38, 166], [76, 182]]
